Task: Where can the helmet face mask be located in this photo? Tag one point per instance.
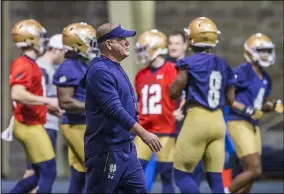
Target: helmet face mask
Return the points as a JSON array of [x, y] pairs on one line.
[[43, 43], [142, 54], [259, 49], [93, 50]]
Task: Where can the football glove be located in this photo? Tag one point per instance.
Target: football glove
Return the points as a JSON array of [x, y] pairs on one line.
[[278, 107], [253, 113]]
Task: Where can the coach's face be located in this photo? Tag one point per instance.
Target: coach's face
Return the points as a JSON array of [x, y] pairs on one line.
[[120, 47]]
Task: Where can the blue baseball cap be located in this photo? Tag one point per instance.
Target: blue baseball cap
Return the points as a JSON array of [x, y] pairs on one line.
[[119, 31]]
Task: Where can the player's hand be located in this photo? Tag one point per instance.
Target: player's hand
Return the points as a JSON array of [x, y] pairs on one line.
[[152, 141], [258, 114], [57, 112], [178, 115], [53, 107], [253, 113], [278, 107]]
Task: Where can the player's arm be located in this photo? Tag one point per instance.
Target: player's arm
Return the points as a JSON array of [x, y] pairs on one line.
[[178, 113], [238, 79], [20, 94], [182, 102], [248, 110], [20, 80], [238, 106], [231, 85], [179, 83], [230, 95], [67, 102]]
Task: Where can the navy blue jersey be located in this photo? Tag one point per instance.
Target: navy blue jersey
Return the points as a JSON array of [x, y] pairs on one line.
[[250, 90], [111, 107], [208, 78], [69, 74]]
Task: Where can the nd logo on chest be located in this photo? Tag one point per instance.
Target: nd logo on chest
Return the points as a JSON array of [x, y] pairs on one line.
[[160, 76]]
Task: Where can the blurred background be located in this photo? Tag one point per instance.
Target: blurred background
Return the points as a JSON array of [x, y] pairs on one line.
[[235, 19]]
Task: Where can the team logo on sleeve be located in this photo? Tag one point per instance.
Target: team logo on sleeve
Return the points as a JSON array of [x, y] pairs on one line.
[[19, 76], [264, 81], [62, 79]]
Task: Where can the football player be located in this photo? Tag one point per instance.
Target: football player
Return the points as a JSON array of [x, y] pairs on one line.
[[80, 41], [154, 104], [253, 88], [47, 62], [208, 82], [177, 49], [29, 107]]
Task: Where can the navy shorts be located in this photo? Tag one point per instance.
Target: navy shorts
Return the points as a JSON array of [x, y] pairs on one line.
[[115, 172], [52, 135]]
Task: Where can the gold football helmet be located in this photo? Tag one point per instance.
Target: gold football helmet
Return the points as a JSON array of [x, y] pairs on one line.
[[202, 32], [81, 38], [259, 48], [150, 45], [29, 33]]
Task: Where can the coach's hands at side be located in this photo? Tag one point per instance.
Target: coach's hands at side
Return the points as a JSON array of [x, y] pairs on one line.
[[148, 138], [152, 141]]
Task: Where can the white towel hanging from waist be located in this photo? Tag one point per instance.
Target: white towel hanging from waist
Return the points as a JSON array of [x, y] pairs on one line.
[[7, 134]]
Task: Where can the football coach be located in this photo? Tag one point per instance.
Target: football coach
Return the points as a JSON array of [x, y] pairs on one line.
[[111, 113]]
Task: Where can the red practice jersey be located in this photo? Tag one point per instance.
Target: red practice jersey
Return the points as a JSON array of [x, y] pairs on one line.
[[154, 103], [24, 71]]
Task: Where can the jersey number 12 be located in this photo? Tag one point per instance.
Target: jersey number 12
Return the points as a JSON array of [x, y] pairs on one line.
[[150, 105]]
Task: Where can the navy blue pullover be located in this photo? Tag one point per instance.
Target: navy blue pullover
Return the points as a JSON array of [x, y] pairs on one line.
[[111, 107]]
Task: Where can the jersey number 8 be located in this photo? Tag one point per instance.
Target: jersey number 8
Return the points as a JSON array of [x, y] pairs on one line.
[[215, 83], [150, 104]]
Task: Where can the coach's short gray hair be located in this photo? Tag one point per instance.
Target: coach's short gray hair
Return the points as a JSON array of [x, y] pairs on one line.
[[104, 29]]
